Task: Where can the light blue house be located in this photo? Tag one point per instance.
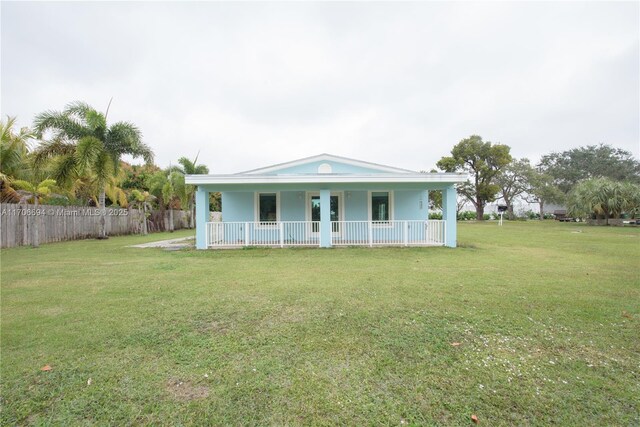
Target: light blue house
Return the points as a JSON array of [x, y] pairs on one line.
[[325, 201]]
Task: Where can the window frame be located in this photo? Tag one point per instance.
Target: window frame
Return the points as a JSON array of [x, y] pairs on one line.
[[389, 222], [256, 206]]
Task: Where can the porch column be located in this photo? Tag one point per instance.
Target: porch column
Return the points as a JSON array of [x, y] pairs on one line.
[[449, 195], [325, 218], [202, 217]]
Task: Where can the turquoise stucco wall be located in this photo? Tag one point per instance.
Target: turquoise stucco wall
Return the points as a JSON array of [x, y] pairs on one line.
[[410, 205], [292, 206], [356, 206], [407, 205], [335, 168], [238, 206]]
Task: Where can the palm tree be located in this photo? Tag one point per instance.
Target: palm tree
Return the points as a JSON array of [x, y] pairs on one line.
[[174, 187], [14, 148], [35, 191], [604, 198], [83, 144], [191, 168], [142, 199]]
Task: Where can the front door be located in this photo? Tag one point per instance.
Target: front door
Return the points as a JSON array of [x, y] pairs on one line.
[[313, 212]]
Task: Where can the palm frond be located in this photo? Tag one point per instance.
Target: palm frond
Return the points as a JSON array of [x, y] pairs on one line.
[[88, 151], [115, 193], [64, 169], [49, 149], [24, 185], [78, 109], [61, 124], [103, 168], [97, 123], [8, 194], [187, 165], [6, 129], [126, 138]]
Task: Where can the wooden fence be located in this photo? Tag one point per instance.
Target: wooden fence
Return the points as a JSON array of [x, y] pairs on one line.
[[61, 223]]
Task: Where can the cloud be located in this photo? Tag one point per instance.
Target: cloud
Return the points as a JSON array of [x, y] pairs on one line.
[[249, 84]]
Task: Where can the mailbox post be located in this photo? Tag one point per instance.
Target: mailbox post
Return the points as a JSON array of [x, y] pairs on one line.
[[501, 210]]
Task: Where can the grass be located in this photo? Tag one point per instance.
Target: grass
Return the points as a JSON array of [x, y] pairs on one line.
[[547, 317]]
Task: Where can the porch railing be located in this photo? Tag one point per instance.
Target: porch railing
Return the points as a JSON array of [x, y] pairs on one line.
[[282, 233], [388, 233], [343, 233]]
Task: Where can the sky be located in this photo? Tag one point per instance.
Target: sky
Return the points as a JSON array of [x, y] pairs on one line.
[[247, 85]]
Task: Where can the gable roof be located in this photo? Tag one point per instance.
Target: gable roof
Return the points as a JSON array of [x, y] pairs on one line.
[[325, 157]]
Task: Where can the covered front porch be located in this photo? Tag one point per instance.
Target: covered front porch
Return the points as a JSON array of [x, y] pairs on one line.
[[343, 233], [343, 216]]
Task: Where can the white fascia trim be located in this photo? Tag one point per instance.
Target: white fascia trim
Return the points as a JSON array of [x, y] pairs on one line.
[[326, 157], [326, 179]]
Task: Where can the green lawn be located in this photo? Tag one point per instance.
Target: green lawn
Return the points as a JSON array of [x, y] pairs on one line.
[[547, 317]]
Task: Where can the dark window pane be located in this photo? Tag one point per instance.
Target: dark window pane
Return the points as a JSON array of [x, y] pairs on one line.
[[267, 207], [380, 206], [334, 208]]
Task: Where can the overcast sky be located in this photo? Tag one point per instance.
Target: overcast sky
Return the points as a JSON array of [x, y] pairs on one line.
[[252, 84]]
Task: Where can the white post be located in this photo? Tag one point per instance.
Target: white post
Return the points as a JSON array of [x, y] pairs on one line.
[[444, 228], [370, 233], [406, 233], [246, 234], [281, 227]]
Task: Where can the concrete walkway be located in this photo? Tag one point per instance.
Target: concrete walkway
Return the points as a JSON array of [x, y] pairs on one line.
[[182, 242]]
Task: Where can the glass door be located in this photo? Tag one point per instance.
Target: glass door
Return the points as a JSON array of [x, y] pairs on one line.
[[334, 211]]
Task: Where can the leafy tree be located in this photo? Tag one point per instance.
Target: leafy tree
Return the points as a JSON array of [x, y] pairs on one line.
[[514, 182], [135, 176], [84, 145], [593, 161], [156, 183], [14, 149], [35, 191], [483, 161], [541, 189], [604, 198]]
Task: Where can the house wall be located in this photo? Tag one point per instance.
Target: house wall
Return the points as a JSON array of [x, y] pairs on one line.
[[335, 168], [292, 206], [356, 206], [239, 206], [409, 205]]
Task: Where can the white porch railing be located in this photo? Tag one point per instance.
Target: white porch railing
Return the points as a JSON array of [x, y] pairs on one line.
[[282, 233], [388, 233], [343, 233]]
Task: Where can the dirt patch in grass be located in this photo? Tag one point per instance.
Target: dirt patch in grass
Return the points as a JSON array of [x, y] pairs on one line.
[[214, 327], [186, 391]]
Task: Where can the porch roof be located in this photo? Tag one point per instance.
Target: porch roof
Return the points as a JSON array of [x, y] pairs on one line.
[[331, 178]]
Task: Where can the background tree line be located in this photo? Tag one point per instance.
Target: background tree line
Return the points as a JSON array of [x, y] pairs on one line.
[[74, 157], [596, 181]]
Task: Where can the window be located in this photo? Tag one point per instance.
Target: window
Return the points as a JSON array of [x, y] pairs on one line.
[[380, 206], [267, 207]]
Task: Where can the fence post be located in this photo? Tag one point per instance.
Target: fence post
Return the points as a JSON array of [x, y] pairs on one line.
[[281, 228], [246, 234], [370, 233]]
